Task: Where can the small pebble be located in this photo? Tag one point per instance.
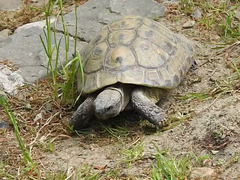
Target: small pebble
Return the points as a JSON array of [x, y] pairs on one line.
[[3, 125], [189, 24], [4, 34], [197, 14], [28, 106], [48, 106], [38, 117]]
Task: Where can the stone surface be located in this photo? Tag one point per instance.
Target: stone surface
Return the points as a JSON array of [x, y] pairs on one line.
[[4, 34], [10, 5], [189, 24], [25, 49], [197, 14], [237, 13], [3, 125], [2, 93], [94, 14], [9, 80], [203, 173]]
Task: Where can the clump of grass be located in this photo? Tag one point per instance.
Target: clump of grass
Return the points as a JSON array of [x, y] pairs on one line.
[[59, 175], [72, 67], [85, 173], [231, 30], [187, 6], [221, 17], [167, 167], [47, 42], [216, 16], [30, 165], [116, 132], [197, 96], [133, 153], [208, 21]]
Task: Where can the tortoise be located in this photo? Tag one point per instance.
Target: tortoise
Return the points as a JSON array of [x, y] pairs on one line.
[[132, 61]]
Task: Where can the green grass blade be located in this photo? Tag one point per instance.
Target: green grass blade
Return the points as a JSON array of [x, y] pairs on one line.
[[80, 75], [26, 155]]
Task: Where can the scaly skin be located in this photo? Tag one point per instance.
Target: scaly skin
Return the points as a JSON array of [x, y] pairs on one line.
[[144, 101], [111, 101], [83, 114]]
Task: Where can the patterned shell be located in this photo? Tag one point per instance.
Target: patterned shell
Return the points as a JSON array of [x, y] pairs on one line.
[[136, 50]]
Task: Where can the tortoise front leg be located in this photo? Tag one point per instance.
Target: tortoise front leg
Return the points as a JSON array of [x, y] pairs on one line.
[[144, 101], [83, 114]]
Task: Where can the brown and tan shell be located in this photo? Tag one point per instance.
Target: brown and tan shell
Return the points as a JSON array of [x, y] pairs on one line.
[[136, 50]]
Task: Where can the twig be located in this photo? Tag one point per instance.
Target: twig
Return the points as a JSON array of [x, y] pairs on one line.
[[47, 122]]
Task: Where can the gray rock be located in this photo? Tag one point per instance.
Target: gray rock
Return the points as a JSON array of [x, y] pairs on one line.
[[3, 125], [4, 34], [10, 5], [94, 14], [25, 49], [197, 14], [189, 24], [9, 80]]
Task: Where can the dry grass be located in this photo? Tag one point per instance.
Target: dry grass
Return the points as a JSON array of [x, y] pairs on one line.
[[27, 14], [41, 122]]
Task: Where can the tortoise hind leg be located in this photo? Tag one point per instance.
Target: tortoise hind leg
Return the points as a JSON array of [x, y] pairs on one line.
[[81, 117], [144, 101]]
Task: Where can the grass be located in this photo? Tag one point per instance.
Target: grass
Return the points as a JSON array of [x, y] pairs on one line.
[[133, 153], [167, 167], [187, 6], [116, 132], [231, 30], [29, 164], [222, 86], [26, 155], [194, 96], [219, 17], [86, 172], [68, 72]]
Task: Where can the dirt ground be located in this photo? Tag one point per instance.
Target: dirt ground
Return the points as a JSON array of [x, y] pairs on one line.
[[204, 108]]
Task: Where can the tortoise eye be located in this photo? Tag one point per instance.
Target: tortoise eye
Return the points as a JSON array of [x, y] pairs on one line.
[[109, 108]]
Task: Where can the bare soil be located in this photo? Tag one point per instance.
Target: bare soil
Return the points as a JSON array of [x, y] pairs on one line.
[[204, 108]]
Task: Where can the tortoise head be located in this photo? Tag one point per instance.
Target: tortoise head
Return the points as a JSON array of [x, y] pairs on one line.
[[108, 104]]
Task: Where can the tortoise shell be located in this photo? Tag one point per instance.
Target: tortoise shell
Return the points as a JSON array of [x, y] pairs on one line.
[[136, 50]]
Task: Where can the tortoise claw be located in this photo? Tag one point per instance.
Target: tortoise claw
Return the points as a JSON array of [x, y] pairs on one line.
[[161, 123]]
